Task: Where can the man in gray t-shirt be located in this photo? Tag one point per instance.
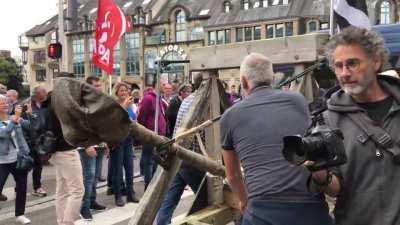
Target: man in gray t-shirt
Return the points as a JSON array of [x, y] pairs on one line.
[[272, 190]]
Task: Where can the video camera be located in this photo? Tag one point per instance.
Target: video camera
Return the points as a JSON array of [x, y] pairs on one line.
[[321, 145]]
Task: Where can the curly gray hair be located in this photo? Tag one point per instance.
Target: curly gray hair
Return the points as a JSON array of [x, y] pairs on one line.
[[369, 41]]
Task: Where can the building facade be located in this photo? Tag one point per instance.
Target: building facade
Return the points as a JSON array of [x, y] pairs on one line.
[[192, 30]]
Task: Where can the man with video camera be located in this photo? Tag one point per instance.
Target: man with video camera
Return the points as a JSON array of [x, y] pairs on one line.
[[272, 191], [366, 110]]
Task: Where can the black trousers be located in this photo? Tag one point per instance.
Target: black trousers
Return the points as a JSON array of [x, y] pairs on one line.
[[20, 177], [37, 171]]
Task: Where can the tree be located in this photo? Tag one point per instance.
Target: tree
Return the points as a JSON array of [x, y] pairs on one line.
[[10, 74]]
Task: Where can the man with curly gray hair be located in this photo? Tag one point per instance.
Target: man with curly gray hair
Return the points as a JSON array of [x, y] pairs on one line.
[[366, 110]]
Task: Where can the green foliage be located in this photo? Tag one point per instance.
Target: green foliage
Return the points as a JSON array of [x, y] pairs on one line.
[[10, 74]]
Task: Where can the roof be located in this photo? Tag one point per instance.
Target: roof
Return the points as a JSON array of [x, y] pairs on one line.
[[209, 10], [297, 8]]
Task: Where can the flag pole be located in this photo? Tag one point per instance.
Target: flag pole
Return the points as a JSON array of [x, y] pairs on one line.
[[110, 83], [332, 20]]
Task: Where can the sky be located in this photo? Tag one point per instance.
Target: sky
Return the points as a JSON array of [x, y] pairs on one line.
[[18, 16]]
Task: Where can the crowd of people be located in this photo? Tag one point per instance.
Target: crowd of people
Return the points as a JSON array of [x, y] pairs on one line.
[[270, 190]]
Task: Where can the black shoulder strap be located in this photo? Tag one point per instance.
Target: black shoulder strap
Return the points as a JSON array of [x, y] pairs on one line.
[[379, 135]]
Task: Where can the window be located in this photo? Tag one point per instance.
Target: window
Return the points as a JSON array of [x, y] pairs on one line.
[[180, 28], [385, 13], [312, 26], [246, 4], [275, 2], [40, 74], [132, 59], [227, 7], [39, 57], [324, 26], [265, 3], [197, 33], [270, 31], [257, 4], [227, 36], [257, 33], [248, 34], [279, 30], [239, 34], [289, 29], [220, 37], [212, 37], [78, 52], [285, 2], [117, 59], [94, 70]]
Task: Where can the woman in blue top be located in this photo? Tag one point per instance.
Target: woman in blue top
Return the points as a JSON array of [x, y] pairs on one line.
[[122, 155], [12, 142]]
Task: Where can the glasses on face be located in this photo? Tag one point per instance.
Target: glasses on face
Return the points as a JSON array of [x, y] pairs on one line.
[[351, 64]]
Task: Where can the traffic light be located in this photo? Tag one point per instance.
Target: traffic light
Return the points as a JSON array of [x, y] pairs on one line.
[[54, 50]]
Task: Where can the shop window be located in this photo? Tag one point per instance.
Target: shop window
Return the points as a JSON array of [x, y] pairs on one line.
[[239, 34], [270, 31], [279, 30], [227, 36], [257, 33], [248, 34], [212, 37], [289, 29], [220, 37]]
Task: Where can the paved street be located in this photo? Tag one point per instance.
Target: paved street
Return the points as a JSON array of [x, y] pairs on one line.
[[42, 211]]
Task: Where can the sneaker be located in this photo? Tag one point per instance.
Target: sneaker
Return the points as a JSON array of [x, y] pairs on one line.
[[3, 198], [96, 206], [86, 215], [22, 220], [40, 192]]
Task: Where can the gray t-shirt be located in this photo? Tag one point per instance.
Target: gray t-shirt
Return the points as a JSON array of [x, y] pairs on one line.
[[254, 129]]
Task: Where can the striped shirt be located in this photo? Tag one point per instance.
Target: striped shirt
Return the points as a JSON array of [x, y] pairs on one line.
[[190, 143]]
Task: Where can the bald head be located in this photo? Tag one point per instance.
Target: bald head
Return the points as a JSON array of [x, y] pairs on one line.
[[39, 94], [256, 70]]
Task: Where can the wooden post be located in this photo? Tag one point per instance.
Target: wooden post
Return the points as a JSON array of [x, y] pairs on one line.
[[214, 183]]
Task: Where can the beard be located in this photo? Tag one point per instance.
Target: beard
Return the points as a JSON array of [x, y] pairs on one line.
[[361, 86]]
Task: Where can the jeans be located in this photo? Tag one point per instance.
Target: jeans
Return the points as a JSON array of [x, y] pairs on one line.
[[122, 156], [89, 178], [284, 212], [147, 164], [20, 177], [99, 164], [186, 176], [37, 171]]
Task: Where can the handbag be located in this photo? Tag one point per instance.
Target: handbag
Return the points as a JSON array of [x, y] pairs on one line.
[[24, 162], [46, 143]]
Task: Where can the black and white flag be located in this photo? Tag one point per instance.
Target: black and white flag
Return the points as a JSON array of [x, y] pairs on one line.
[[351, 12]]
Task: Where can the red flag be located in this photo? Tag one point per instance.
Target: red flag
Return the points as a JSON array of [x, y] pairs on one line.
[[111, 24]]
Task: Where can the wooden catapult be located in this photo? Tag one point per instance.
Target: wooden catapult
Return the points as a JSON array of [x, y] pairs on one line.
[[214, 203]]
